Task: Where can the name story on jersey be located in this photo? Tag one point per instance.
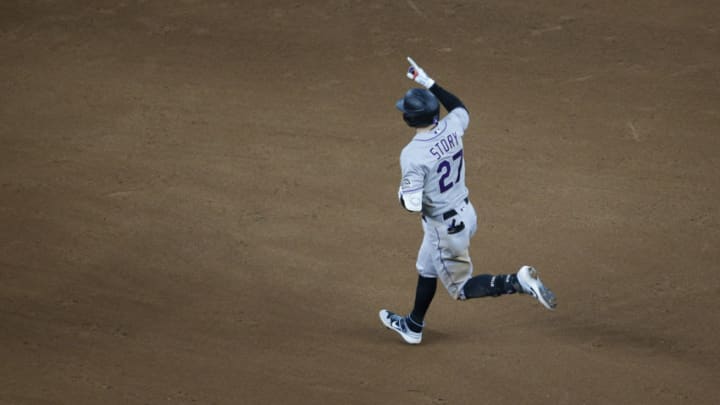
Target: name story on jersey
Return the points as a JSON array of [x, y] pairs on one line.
[[444, 146]]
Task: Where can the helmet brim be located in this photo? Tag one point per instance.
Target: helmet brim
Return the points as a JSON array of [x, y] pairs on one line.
[[400, 105]]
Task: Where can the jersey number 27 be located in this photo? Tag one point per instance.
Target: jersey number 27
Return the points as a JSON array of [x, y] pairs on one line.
[[446, 169]]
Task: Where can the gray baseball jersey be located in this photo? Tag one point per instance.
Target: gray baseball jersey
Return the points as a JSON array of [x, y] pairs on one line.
[[433, 162]]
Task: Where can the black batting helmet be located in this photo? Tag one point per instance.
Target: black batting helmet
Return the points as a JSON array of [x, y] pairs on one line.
[[420, 108]]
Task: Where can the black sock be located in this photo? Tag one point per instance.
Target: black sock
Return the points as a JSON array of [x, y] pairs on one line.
[[486, 285], [424, 294]]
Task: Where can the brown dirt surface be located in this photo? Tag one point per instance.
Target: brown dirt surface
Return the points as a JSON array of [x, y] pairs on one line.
[[198, 201]]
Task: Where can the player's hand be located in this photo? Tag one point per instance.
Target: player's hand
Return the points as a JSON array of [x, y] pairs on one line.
[[417, 74]]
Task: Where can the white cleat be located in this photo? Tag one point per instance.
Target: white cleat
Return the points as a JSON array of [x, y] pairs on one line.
[[398, 323], [531, 284]]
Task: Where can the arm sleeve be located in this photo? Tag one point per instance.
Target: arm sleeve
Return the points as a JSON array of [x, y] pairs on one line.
[[447, 99]]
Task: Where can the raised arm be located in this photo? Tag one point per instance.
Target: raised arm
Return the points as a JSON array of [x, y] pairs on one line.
[[450, 101], [447, 99]]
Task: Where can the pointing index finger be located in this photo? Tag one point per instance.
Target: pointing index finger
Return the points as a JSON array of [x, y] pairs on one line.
[[412, 63]]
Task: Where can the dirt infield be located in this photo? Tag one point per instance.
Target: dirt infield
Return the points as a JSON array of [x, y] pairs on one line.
[[198, 201]]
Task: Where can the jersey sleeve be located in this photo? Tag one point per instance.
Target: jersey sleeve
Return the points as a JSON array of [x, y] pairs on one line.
[[411, 184], [460, 116]]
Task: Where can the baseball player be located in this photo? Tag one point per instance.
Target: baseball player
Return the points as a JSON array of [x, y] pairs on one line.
[[433, 184]]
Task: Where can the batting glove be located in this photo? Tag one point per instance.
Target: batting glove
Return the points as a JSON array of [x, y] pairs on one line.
[[417, 74]]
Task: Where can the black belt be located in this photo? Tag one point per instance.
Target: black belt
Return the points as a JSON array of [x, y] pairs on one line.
[[449, 214]]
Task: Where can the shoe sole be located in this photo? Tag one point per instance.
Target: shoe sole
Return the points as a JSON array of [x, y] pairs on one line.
[[388, 325], [542, 293]]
